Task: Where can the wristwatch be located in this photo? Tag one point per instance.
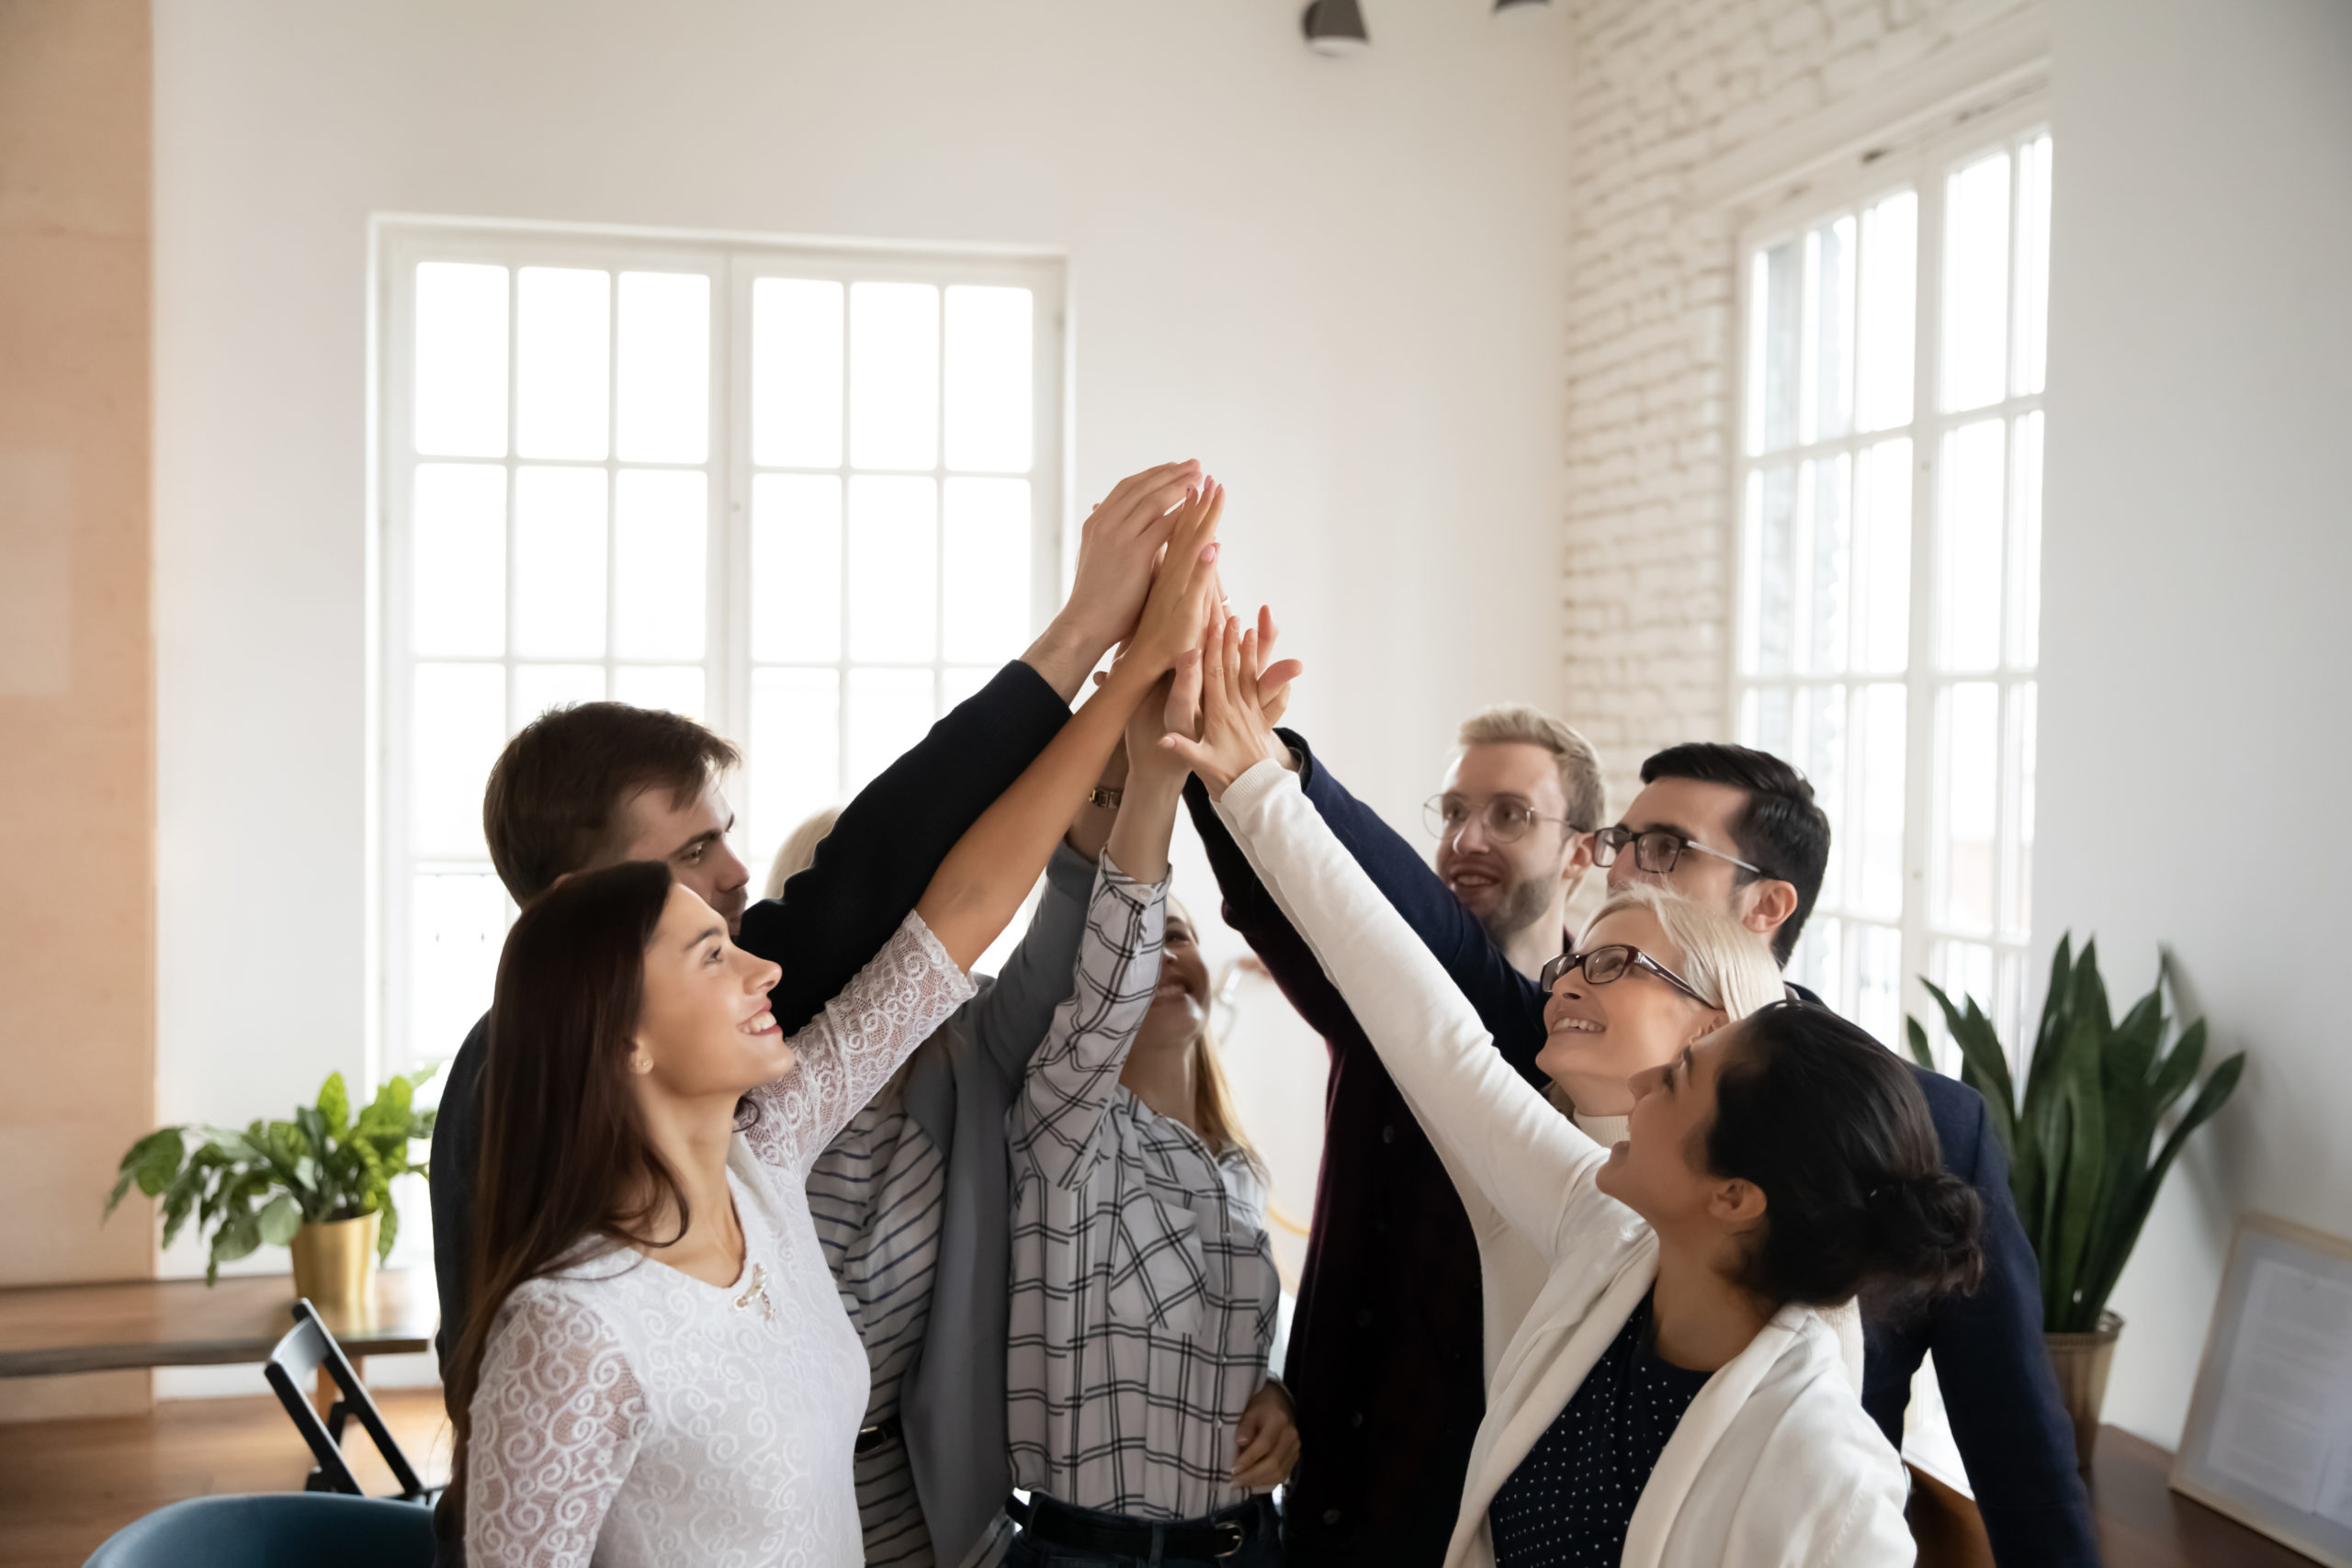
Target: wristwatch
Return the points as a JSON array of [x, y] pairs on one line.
[[1108, 799]]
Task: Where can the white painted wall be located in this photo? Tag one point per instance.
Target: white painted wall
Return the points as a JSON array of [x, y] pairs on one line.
[[2198, 553], [1337, 282]]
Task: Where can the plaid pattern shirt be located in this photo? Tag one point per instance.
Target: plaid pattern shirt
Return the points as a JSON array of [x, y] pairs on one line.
[[1143, 1285]]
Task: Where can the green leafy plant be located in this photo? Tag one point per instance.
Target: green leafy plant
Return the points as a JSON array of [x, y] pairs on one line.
[[264, 1183], [2079, 1140]]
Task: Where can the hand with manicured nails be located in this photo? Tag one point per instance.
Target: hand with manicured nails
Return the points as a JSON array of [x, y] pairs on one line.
[[1235, 734], [1266, 1441]]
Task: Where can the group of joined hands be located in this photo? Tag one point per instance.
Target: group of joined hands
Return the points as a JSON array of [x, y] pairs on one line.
[[1203, 690]]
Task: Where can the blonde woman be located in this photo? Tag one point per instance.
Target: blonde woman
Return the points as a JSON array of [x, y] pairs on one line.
[[1143, 1424], [1653, 973], [1675, 1397], [799, 850]]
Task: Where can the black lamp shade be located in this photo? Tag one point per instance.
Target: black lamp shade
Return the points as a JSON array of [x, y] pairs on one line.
[[1335, 26]]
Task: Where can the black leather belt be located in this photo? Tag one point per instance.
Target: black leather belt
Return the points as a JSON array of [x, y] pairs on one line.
[[874, 1437], [1058, 1524]]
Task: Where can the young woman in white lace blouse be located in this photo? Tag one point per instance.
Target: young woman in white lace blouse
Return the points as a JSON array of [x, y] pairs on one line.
[[656, 1366], [1142, 1419]]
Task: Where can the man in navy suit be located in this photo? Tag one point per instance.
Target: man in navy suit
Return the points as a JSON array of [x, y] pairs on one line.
[[1740, 829]]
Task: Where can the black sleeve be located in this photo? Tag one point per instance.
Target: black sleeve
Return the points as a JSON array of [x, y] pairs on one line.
[[2012, 1431], [875, 862], [456, 1149]]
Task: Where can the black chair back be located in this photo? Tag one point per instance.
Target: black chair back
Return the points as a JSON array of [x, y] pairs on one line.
[[293, 1370]]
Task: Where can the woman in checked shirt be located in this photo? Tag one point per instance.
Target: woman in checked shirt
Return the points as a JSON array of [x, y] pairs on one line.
[[1142, 1419]]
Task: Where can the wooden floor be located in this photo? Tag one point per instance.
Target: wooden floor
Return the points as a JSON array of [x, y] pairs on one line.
[[67, 1485]]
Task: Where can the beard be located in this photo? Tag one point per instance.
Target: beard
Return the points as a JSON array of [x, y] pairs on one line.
[[1520, 905]]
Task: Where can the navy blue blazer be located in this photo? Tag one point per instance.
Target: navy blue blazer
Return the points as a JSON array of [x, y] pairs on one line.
[[1994, 1371]]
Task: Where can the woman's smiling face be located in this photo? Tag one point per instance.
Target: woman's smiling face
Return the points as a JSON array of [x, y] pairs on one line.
[[703, 1026], [1598, 1038], [1179, 1006]]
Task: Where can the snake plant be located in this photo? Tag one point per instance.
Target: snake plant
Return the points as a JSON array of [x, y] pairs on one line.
[[2079, 1138]]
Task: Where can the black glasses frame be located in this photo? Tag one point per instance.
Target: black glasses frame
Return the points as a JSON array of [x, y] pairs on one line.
[[1612, 961], [1657, 849]]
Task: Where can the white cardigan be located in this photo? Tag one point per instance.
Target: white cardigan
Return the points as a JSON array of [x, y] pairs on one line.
[[1775, 1464]]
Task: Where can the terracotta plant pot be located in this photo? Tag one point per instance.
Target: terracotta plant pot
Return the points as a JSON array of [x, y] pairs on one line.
[[334, 1265], [2081, 1362]]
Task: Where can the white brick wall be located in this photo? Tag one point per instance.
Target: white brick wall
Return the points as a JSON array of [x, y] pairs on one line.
[[1659, 89]]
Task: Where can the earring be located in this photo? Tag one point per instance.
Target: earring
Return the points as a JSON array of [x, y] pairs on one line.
[[639, 1063]]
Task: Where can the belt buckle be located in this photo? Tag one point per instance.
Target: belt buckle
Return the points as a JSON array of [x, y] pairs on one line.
[[1241, 1537]]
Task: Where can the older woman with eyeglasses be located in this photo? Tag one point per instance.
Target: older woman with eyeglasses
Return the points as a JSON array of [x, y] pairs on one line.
[[1651, 974]]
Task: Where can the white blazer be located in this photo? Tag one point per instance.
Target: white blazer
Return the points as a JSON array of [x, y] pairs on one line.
[[1775, 1464]]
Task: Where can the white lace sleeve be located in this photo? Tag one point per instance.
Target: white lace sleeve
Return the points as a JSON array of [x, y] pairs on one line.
[[848, 1051], [557, 1419]]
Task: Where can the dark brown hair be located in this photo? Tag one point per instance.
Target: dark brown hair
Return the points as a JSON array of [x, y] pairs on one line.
[[556, 792], [1831, 1126], [565, 1156], [1782, 828]]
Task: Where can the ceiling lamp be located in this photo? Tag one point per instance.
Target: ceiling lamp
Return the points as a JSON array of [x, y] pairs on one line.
[[1503, 6], [1335, 26]]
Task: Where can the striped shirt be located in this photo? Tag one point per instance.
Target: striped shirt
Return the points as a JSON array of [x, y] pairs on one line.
[[1143, 1285], [876, 1195]]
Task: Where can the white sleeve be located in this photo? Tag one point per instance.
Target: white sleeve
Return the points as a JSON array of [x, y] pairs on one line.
[[1495, 1131], [848, 1051], [557, 1420]]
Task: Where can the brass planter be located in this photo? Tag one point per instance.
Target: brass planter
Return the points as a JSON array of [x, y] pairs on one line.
[[2081, 1362], [334, 1266]]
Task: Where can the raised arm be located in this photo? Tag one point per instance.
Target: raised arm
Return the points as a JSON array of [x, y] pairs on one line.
[[890, 840], [981, 883], [1057, 1118], [1497, 1131]]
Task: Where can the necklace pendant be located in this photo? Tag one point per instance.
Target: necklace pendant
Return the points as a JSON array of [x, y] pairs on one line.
[[756, 1294]]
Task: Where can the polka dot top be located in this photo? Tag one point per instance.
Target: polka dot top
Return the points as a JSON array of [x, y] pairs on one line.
[[1571, 1498]]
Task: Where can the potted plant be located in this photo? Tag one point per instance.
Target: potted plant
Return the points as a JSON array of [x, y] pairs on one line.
[[319, 1185], [2079, 1142]]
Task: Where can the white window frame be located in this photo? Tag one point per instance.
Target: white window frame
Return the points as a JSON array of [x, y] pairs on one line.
[[1921, 161], [733, 262]]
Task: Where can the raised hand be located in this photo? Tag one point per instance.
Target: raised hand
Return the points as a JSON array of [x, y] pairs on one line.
[[1117, 548], [1183, 591], [1274, 683], [1234, 732]]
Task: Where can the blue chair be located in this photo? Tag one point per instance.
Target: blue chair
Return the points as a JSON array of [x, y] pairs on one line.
[[275, 1530]]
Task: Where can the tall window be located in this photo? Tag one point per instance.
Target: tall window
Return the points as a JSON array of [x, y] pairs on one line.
[[1891, 541], [809, 496]]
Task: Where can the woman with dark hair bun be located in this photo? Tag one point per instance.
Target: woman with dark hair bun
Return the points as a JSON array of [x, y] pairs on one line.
[[1675, 1397]]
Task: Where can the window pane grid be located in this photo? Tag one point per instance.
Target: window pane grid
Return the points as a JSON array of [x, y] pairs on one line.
[[1889, 572], [559, 433]]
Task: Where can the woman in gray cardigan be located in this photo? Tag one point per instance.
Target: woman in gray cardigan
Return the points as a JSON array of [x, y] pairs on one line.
[[912, 1206]]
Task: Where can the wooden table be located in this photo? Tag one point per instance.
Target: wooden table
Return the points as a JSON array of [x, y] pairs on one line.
[[2143, 1523], [46, 1329]]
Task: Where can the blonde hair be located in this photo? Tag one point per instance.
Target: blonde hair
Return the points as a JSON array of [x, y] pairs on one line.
[[1725, 963], [1213, 1114], [799, 850], [1516, 723]]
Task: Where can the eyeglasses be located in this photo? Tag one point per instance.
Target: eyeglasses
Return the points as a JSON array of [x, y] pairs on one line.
[[1655, 850], [1604, 964], [1505, 820]]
